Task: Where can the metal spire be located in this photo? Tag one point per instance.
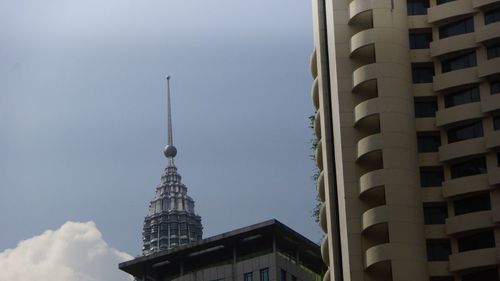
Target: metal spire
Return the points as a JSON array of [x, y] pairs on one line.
[[170, 150]]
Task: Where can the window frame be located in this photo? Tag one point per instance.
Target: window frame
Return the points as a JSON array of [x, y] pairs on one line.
[[469, 95], [463, 26]]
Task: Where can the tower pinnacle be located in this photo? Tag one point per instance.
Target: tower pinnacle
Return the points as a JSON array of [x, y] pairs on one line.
[[170, 151]]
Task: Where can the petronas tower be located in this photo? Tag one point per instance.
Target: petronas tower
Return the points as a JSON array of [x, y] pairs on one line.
[[171, 220]]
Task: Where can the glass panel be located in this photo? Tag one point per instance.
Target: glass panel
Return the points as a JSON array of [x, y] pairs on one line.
[[422, 72], [248, 276], [417, 7], [476, 241], [438, 249], [425, 107], [495, 87], [420, 38], [460, 62], [264, 274], [428, 143], [431, 176], [456, 28], [435, 213], [462, 97], [283, 275], [468, 168], [472, 204], [493, 52], [492, 16], [466, 132]]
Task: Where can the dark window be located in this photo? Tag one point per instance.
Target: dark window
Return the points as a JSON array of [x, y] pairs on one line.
[[472, 204], [417, 7], [283, 275], [476, 241], [462, 97], [470, 131], [248, 276], [496, 122], [264, 274], [495, 87], [431, 176], [420, 38], [493, 52], [460, 62], [438, 249], [439, 2], [456, 28], [498, 159], [422, 72], [425, 107], [492, 16], [484, 275], [294, 278], [468, 168], [435, 213], [428, 143]]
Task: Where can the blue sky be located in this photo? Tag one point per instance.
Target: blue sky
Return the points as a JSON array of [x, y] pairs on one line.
[[82, 113]]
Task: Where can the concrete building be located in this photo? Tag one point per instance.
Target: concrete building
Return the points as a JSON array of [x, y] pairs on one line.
[[268, 251], [407, 94], [171, 220]]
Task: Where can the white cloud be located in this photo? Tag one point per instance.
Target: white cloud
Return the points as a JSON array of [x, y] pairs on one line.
[[74, 252]]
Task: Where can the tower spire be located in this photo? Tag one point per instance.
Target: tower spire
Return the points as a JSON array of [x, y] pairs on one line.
[[170, 151]]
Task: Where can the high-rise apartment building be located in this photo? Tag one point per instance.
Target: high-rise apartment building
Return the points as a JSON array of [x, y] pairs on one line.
[[171, 220], [407, 94]]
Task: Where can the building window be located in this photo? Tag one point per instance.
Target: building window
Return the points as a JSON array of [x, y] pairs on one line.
[[495, 87], [498, 159], [431, 176], [294, 278], [462, 97], [264, 274], [492, 16], [439, 2], [283, 275], [417, 7], [438, 249], [460, 62], [456, 28], [493, 52], [248, 276], [425, 107], [468, 168], [420, 38], [472, 204], [496, 122], [428, 143], [476, 241], [484, 275], [470, 131], [422, 72], [435, 213]]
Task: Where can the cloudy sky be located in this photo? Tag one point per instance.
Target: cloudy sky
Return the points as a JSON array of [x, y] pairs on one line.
[[82, 116]]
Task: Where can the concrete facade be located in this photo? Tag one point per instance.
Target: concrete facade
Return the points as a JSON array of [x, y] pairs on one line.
[[407, 94]]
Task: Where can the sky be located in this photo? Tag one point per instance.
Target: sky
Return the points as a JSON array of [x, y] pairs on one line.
[[83, 115]]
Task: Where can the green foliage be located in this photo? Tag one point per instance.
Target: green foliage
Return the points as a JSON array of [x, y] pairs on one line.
[[315, 175]]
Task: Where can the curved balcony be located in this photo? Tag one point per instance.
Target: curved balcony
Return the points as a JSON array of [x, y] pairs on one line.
[[455, 78], [363, 75], [327, 275], [319, 155], [494, 176], [473, 259], [465, 185], [362, 44], [317, 124], [322, 218], [459, 113], [481, 3], [324, 250], [315, 93], [487, 32], [360, 11], [463, 148], [449, 10], [492, 140], [320, 185], [489, 67], [490, 103], [365, 109], [378, 253], [369, 144], [467, 222], [371, 180], [314, 64], [453, 44], [375, 216]]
